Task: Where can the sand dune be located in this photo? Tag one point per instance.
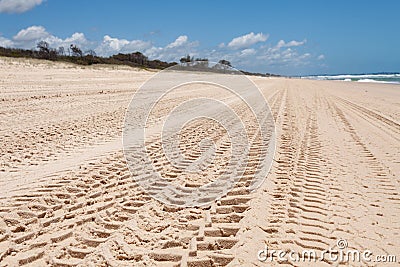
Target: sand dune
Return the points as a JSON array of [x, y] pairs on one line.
[[68, 199]]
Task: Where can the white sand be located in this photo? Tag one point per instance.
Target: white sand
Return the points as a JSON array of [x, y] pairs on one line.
[[67, 197]]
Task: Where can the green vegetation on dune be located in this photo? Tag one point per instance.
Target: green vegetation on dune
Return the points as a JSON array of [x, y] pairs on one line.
[[76, 55]]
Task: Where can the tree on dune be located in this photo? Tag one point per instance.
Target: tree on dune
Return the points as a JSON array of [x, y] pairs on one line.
[[61, 51], [186, 60], [91, 53], [201, 62], [44, 49], [225, 62], [76, 51], [139, 58]]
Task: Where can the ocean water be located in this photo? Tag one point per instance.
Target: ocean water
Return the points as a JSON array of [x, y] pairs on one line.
[[393, 78]]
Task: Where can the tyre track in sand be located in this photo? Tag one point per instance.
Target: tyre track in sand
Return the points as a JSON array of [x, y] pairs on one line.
[[374, 182], [323, 188], [298, 215], [97, 214], [329, 181]]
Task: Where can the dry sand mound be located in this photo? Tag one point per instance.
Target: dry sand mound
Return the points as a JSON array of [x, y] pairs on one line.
[[67, 197]]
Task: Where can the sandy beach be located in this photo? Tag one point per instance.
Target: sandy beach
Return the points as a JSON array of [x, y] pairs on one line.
[[67, 197]]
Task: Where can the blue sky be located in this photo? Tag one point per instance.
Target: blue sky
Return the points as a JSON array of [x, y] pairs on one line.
[[286, 37]]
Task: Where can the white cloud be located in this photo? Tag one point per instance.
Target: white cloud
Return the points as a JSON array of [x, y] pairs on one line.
[[29, 37], [282, 43], [296, 43], [247, 52], [247, 40], [153, 52], [76, 38], [137, 45], [180, 41], [114, 43], [31, 33], [289, 57], [18, 6], [111, 46], [321, 57], [4, 42], [175, 50]]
